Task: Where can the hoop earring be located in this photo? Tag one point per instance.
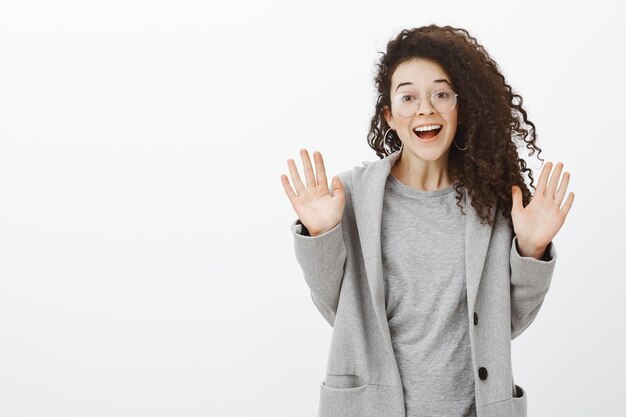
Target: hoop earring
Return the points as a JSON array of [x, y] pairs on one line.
[[462, 149], [385, 136], [385, 139]]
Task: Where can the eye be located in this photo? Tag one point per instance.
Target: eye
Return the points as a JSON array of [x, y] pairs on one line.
[[405, 96], [441, 94]]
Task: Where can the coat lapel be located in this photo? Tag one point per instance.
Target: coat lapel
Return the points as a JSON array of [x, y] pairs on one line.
[[367, 196]]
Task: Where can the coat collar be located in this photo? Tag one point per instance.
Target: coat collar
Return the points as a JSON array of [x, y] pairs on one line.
[[367, 196]]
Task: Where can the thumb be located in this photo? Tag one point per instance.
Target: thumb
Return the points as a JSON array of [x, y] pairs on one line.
[[337, 186], [517, 199]]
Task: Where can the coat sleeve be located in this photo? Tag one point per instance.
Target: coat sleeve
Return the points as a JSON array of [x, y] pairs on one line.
[[322, 259], [530, 281]]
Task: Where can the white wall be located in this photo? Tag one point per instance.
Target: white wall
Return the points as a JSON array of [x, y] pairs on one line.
[[146, 262]]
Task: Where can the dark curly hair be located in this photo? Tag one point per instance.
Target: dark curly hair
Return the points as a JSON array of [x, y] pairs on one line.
[[491, 117]]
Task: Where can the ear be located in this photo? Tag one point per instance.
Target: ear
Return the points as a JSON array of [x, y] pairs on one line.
[[388, 117]]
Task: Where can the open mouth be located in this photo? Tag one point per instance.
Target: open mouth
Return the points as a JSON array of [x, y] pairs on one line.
[[428, 135]]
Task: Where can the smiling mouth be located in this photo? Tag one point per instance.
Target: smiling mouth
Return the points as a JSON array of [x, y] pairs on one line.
[[428, 135]]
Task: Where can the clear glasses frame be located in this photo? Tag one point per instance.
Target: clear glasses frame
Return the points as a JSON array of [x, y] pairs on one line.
[[434, 102]]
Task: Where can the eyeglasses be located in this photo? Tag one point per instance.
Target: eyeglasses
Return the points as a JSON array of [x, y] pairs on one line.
[[407, 104]]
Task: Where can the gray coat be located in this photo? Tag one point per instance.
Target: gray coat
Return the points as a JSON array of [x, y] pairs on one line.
[[343, 270]]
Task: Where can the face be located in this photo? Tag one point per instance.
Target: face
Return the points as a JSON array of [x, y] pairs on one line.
[[424, 77]]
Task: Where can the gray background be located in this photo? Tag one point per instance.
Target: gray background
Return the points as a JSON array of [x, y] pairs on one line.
[[146, 262]]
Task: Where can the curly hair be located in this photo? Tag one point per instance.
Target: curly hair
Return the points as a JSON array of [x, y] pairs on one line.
[[491, 116]]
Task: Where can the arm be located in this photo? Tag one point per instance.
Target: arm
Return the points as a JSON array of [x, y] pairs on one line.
[[322, 259], [530, 281]]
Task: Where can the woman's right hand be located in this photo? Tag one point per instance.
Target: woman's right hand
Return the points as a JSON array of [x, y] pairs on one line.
[[314, 205]]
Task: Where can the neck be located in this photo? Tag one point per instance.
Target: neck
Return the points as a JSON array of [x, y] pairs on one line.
[[420, 174]]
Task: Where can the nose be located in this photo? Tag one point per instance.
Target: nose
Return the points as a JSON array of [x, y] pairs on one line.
[[425, 106]]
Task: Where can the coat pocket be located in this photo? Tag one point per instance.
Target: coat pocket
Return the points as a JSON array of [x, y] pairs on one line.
[[515, 406], [343, 381], [350, 396], [519, 402]]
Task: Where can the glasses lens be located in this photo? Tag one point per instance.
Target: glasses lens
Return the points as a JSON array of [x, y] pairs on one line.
[[443, 100], [406, 103]]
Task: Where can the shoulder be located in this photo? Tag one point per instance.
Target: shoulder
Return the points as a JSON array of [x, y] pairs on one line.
[[350, 176], [346, 179], [503, 224]]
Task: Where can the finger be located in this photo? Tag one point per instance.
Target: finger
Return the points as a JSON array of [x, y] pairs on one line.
[[517, 199], [568, 204], [560, 193], [320, 169], [295, 177], [338, 188], [554, 180], [543, 179], [291, 194], [308, 168]]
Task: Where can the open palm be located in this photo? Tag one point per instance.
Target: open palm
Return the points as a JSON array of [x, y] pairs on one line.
[[315, 206], [538, 223]]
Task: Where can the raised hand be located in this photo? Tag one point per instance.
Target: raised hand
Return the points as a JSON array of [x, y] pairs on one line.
[[538, 223], [314, 205]]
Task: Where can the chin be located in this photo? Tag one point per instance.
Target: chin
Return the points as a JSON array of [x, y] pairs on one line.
[[430, 152]]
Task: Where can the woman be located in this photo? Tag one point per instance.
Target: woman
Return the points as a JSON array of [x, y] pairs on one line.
[[425, 293]]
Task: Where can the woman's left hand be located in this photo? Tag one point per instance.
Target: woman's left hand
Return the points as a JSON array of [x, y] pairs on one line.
[[536, 224]]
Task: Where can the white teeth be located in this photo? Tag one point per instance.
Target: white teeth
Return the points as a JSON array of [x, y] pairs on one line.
[[426, 128]]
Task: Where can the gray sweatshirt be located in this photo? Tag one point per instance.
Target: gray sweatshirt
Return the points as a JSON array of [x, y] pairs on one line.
[[423, 254]]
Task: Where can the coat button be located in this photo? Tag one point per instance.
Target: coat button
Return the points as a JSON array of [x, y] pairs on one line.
[[482, 373], [475, 319]]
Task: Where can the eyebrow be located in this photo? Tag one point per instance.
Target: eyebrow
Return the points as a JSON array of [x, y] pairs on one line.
[[443, 80]]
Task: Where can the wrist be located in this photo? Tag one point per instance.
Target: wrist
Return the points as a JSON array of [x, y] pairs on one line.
[[529, 250]]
